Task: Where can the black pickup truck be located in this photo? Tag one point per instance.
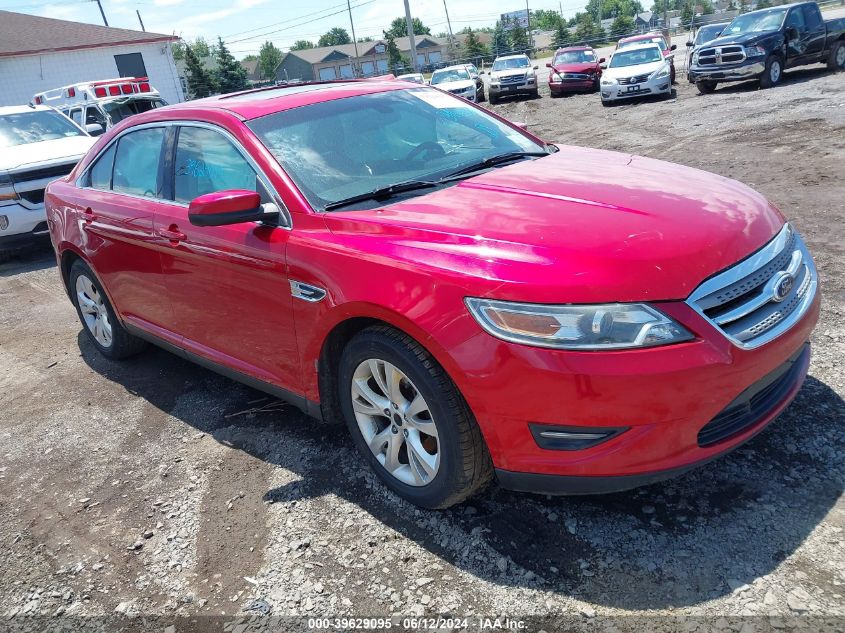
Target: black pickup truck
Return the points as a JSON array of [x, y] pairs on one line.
[[762, 44]]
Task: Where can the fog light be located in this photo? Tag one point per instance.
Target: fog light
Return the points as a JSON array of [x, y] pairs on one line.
[[572, 438], [4, 222]]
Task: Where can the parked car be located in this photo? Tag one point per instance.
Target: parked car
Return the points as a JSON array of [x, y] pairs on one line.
[[37, 145], [98, 105], [479, 82], [513, 75], [457, 80], [574, 68], [705, 34], [471, 300], [636, 71], [762, 44], [667, 49], [414, 78]]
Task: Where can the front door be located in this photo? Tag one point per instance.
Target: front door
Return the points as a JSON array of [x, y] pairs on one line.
[[228, 284]]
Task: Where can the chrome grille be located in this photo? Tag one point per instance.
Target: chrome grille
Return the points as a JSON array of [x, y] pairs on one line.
[[513, 79], [576, 76], [718, 55], [638, 79], [764, 295]]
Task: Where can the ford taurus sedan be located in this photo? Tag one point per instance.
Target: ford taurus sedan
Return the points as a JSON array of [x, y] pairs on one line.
[[475, 303]]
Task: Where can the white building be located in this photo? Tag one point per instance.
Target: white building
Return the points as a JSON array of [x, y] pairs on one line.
[[38, 54]]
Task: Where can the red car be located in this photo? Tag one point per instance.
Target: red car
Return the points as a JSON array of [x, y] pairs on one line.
[[655, 38], [575, 68], [472, 301]]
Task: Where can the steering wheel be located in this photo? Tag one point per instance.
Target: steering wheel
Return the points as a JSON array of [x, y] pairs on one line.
[[426, 148]]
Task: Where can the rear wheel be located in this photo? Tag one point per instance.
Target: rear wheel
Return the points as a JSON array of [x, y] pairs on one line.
[[480, 96], [98, 317], [773, 72], [408, 420], [705, 87], [836, 59]]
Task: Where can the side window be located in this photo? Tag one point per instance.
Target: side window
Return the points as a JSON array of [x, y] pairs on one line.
[[99, 176], [136, 163], [812, 16], [206, 162], [796, 19], [76, 115]]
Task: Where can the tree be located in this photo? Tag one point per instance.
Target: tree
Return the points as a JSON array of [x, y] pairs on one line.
[[399, 27], [334, 37], [366, 38], [545, 19], [201, 48], [269, 58], [230, 75], [200, 82], [249, 58], [561, 36], [622, 25], [500, 44], [587, 30], [474, 49], [178, 50], [301, 45], [518, 38], [396, 61], [603, 9]]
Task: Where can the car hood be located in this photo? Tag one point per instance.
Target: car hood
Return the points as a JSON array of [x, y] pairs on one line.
[[630, 71], [513, 72], [579, 226], [580, 67], [45, 152], [463, 84], [745, 39]]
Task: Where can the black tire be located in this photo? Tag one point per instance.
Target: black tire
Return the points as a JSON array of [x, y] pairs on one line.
[[706, 87], [481, 98], [672, 74], [123, 344], [494, 100], [465, 465], [773, 72], [832, 63], [606, 104], [535, 94]]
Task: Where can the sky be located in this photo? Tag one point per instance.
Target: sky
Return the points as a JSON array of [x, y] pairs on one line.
[[245, 24]]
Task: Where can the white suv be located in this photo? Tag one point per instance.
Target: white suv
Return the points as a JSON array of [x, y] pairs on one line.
[[38, 144], [511, 75]]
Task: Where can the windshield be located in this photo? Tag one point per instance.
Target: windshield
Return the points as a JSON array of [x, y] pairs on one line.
[[575, 57], [31, 127], [347, 147], [621, 59], [708, 33], [661, 43], [513, 62], [119, 110], [452, 74], [756, 22]]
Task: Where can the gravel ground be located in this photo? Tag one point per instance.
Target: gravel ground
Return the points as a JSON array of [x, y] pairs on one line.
[[143, 490]]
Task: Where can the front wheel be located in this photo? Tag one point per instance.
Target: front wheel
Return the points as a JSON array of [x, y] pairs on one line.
[[836, 59], [705, 87], [480, 96], [409, 421], [672, 75], [773, 72]]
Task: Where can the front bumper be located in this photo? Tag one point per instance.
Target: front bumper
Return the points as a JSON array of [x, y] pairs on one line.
[[25, 225], [662, 397], [740, 72], [617, 92], [503, 90], [571, 85]]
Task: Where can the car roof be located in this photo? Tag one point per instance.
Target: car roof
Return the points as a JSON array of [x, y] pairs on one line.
[[642, 36], [573, 48], [639, 47], [520, 56], [22, 108]]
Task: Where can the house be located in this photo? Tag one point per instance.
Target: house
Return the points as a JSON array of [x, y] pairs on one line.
[[38, 54], [253, 71], [364, 59], [646, 21]]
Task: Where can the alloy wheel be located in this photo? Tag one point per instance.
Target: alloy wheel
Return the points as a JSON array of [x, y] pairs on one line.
[[840, 57], [395, 422], [94, 311], [774, 71]]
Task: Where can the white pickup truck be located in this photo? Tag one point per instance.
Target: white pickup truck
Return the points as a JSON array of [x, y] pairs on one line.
[[38, 144]]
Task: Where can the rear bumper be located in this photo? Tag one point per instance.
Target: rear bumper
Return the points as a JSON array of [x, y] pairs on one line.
[[734, 73], [777, 390]]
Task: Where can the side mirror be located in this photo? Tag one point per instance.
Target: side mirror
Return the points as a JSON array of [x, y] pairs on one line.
[[226, 207], [791, 33], [536, 67], [548, 65], [690, 44], [94, 129], [673, 47], [601, 61]]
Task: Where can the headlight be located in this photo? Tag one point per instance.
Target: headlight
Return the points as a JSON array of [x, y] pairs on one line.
[[607, 81], [754, 51], [695, 57], [577, 327], [662, 72]]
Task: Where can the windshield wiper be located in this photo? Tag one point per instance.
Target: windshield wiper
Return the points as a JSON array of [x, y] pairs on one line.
[[498, 159], [382, 193]]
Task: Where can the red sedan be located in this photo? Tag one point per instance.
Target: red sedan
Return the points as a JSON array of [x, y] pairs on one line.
[[472, 301], [574, 69]]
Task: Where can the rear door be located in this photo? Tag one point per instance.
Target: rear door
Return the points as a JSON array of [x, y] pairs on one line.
[[228, 284], [816, 31], [120, 195]]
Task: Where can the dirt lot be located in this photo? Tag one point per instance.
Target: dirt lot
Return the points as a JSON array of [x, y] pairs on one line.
[[141, 488]]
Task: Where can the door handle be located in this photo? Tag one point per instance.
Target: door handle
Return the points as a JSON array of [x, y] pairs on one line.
[[89, 215], [173, 234]]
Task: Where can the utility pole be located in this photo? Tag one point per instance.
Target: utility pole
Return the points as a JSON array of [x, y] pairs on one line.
[[103, 13], [140, 20], [449, 24], [528, 19], [666, 15], [354, 39], [411, 40]]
